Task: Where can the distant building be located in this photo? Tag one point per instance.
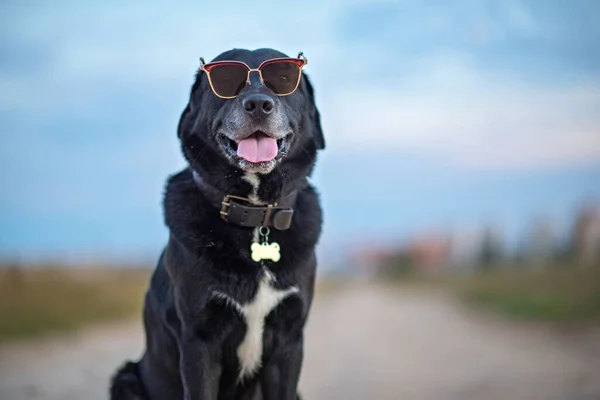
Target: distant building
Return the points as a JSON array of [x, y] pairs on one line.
[[368, 258], [586, 236], [429, 252]]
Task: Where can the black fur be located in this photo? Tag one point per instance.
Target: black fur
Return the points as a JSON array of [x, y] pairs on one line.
[[192, 337], [126, 384]]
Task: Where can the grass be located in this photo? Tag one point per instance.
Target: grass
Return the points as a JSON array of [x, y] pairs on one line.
[[39, 301], [557, 294]]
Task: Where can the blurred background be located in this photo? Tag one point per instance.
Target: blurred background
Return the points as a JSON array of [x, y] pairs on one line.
[[460, 256]]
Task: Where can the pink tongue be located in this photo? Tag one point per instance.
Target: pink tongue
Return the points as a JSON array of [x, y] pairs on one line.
[[257, 150]]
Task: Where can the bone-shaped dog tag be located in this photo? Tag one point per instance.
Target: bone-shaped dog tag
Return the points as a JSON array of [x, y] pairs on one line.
[[265, 251]]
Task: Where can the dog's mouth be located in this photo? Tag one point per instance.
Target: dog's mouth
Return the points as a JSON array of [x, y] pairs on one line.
[[256, 148]]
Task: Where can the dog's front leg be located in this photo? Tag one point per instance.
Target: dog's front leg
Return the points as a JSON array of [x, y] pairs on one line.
[[279, 378], [200, 371]]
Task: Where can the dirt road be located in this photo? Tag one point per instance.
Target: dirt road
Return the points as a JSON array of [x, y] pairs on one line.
[[362, 342]]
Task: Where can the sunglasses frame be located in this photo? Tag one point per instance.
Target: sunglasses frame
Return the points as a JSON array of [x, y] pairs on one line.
[[300, 61]]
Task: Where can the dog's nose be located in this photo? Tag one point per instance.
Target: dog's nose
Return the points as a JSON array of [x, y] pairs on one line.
[[258, 104]]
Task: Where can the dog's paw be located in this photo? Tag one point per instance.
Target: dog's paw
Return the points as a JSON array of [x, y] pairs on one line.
[[126, 384]]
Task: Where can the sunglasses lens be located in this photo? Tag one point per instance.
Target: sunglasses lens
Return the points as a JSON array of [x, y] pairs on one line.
[[281, 76], [228, 80]]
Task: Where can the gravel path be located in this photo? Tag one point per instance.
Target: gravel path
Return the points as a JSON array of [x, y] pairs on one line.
[[362, 342]]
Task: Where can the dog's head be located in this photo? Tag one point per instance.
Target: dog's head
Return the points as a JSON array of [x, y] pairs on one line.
[[256, 131]]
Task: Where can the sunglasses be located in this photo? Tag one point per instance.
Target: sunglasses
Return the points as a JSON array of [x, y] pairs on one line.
[[280, 75]]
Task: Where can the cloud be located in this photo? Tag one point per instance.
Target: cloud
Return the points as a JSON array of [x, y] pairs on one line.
[[475, 118], [408, 85], [153, 47]]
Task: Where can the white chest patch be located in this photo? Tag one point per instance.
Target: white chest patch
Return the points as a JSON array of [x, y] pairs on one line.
[[250, 350], [254, 181]]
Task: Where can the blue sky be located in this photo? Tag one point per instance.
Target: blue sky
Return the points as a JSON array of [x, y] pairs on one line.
[[463, 112]]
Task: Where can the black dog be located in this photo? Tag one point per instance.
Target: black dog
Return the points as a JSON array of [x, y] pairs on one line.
[[222, 323]]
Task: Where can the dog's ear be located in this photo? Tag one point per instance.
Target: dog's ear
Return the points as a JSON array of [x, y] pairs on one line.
[[313, 116], [189, 107]]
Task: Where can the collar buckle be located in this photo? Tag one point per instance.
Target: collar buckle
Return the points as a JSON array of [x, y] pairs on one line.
[[227, 202]]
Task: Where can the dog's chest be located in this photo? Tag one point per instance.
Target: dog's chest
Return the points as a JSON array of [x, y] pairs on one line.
[[267, 297]]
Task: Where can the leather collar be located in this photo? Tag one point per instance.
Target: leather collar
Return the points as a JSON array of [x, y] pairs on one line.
[[240, 210]]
